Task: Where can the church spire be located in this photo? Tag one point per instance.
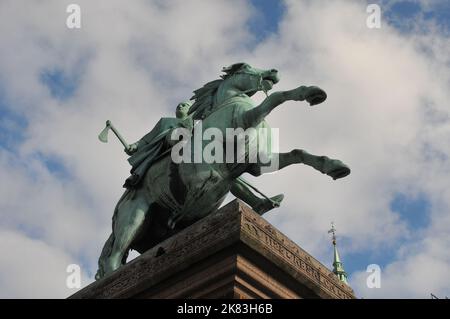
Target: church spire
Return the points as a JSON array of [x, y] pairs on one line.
[[338, 267]]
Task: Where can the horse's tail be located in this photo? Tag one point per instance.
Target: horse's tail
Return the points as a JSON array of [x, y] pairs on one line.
[[106, 252]]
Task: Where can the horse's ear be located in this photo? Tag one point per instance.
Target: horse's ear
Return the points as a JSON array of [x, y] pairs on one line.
[[233, 68]]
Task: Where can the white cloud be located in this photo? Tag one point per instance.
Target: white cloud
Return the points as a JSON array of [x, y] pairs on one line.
[[383, 91], [33, 269], [419, 273], [387, 104]]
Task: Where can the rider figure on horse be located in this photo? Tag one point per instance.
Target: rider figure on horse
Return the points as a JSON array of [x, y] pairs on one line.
[[158, 142]]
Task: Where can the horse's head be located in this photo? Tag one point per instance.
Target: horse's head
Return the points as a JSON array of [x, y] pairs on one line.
[[243, 78], [239, 78]]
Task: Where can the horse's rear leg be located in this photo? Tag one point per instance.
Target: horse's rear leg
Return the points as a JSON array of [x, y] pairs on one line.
[[129, 220], [240, 189], [106, 252], [332, 167]]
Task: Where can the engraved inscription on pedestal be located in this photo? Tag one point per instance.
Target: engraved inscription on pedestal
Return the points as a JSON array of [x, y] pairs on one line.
[[233, 253]]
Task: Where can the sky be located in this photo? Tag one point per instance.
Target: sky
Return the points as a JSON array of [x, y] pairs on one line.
[[387, 116]]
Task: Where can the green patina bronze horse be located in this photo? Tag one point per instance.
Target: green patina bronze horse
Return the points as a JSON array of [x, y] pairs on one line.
[[172, 195]]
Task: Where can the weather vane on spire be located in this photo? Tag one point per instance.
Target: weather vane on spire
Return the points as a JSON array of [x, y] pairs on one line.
[[333, 231], [338, 267]]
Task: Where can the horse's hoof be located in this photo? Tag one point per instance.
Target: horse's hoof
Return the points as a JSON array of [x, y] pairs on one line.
[[339, 173], [276, 200], [267, 204], [336, 169], [315, 95], [99, 275]]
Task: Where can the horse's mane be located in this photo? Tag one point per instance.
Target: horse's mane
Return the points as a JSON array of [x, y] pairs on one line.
[[204, 96], [204, 99]]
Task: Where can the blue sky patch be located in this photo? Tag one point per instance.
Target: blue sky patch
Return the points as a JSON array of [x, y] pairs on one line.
[[404, 14], [406, 9], [265, 23], [63, 83], [54, 165], [12, 127], [60, 84], [357, 261], [31, 231], [415, 211]]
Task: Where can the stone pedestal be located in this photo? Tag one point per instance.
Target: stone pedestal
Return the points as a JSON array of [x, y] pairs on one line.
[[233, 253]]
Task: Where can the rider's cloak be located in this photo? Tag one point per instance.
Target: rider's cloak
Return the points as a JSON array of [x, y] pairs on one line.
[[151, 147]]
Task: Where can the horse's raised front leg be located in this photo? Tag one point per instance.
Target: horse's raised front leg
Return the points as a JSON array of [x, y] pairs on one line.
[[332, 167], [312, 94]]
